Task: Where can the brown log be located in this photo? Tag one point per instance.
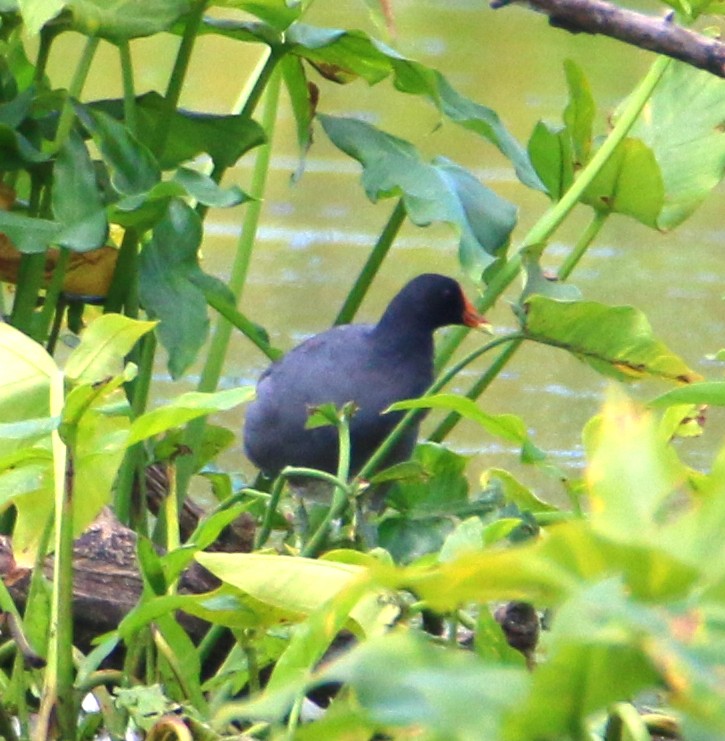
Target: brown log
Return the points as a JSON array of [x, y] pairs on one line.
[[107, 583]]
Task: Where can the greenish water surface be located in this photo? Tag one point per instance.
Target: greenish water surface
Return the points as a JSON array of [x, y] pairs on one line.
[[315, 234]]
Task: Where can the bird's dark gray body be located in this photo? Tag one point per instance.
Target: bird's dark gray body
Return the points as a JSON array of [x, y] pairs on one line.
[[370, 365]]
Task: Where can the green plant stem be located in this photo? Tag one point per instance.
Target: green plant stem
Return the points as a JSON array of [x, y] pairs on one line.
[[30, 271], [220, 340], [237, 320], [67, 114], [210, 639], [372, 265], [572, 259], [266, 527], [52, 304], [129, 90], [125, 275], [134, 461], [582, 245], [101, 678], [245, 107], [63, 593], [452, 419], [47, 35], [341, 495], [540, 233], [178, 74]]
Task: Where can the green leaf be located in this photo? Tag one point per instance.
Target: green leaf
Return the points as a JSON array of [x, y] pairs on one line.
[[344, 55], [506, 426], [401, 680], [203, 189], [77, 202], [184, 408], [596, 659], [551, 156], [104, 344], [299, 585], [515, 492], [705, 392], [29, 235], [125, 19], [133, 168], [278, 13], [407, 539], [26, 377], [225, 138], [616, 341], [630, 182], [36, 13], [172, 286], [467, 537], [301, 94], [436, 484], [631, 474], [441, 191], [682, 125]]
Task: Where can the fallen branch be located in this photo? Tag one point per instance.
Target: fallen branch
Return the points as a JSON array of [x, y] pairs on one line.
[[660, 35]]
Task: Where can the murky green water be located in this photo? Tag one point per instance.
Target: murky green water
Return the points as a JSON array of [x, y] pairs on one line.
[[316, 234]]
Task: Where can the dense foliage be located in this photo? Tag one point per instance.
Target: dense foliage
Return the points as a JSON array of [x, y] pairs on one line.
[[629, 577]]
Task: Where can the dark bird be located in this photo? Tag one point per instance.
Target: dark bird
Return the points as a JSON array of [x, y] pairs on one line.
[[370, 365]]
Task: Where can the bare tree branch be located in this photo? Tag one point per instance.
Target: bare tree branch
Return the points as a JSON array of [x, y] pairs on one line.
[[660, 35]]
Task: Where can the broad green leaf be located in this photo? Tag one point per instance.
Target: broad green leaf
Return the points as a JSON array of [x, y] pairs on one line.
[[278, 13], [682, 125], [172, 286], [224, 606], [297, 585], [616, 341], [26, 377], [76, 199], [133, 168], [538, 282], [704, 392], [597, 658], [184, 408], [36, 13], [409, 538], [29, 235], [546, 572], [506, 426], [401, 680], [342, 56], [104, 344], [514, 491], [302, 98], [313, 637], [435, 485], [467, 537], [203, 189], [551, 156], [631, 473], [630, 183], [441, 191], [303, 585], [125, 19], [225, 138], [16, 151], [100, 444]]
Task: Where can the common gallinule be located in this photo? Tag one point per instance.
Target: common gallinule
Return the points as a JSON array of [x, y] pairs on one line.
[[370, 365]]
